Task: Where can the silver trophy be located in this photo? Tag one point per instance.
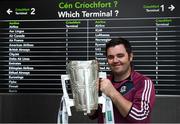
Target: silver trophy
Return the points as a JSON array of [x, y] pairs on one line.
[[84, 77]]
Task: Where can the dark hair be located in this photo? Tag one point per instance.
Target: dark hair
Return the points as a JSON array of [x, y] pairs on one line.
[[117, 41]]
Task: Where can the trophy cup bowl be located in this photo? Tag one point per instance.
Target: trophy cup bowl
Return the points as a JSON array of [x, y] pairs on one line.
[[83, 79]]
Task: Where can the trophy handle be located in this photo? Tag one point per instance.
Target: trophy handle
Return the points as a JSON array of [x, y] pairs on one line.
[[106, 102], [68, 102], [102, 99]]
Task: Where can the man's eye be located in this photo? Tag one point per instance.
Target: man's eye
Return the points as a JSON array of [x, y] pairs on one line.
[[119, 56], [110, 57]]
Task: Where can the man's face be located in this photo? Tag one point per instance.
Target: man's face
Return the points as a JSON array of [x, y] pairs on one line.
[[118, 59]]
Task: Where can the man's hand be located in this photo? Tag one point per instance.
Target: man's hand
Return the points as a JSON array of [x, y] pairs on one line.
[[106, 87]]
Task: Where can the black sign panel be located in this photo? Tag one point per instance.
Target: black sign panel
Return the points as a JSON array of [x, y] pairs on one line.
[[39, 37]]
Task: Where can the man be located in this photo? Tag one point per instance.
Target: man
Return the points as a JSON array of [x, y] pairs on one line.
[[132, 94]]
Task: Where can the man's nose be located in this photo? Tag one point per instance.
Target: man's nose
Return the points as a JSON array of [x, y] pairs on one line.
[[115, 59]]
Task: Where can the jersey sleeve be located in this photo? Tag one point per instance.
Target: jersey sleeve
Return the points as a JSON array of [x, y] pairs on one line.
[[143, 102]]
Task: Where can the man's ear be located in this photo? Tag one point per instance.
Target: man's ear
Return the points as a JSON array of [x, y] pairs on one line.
[[131, 57]]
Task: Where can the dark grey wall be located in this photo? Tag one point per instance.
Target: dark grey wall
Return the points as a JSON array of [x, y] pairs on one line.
[[44, 109], [167, 109]]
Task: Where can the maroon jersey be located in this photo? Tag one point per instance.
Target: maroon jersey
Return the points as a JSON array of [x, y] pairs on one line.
[[138, 89]]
